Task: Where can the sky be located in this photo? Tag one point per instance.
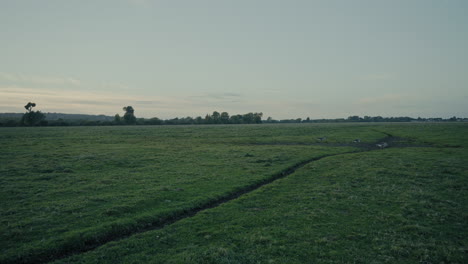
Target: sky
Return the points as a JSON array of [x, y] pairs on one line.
[[287, 59]]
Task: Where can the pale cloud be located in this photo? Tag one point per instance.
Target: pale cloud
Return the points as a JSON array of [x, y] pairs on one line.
[[272, 91], [378, 77], [38, 79], [114, 85], [149, 102], [144, 3], [384, 99], [218, 97], [388, 105]]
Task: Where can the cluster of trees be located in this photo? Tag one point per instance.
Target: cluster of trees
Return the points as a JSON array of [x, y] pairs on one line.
[[224, 118], [215, 118]]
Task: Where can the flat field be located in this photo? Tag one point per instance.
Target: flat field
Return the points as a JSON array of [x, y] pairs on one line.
[[235, 194]]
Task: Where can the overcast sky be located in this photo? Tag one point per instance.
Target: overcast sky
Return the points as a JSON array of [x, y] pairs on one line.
[[287, 59]]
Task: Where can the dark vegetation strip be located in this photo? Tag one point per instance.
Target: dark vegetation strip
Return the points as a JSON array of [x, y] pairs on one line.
[[122, 232], [392, 141], [400, 142]]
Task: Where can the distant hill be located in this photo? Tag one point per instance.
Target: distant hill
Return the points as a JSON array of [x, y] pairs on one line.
[[57, 116]]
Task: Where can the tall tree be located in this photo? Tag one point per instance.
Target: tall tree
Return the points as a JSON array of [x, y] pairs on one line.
[[117, 119], [236, 119], [258, 118], [216, 117], [29, 106], [129, 116], [248, 118], [32, 118], [208, 119], [224, 117]]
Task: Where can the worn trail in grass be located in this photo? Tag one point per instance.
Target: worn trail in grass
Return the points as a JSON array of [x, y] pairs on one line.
[[393, 141], [179, 215]]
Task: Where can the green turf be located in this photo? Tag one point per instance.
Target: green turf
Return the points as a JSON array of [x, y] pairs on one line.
[[65, 188], [391, 206]]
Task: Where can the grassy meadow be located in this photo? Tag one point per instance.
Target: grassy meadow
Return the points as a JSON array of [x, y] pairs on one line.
[[65, 191]]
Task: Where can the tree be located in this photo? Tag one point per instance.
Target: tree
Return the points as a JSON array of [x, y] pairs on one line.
[[216, 117], [224, 118], [199, 120], [31, 118], [30, 106], [354, 118], [208, 119], [258, 118], [129, 116], [235, 119], [117, 119], [248, 118], [155, 121]]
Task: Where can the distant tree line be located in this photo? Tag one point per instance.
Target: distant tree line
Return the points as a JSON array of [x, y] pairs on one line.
[[37, 118], [366, 119]]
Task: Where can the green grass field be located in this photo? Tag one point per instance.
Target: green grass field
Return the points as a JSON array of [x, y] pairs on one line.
[[144, 194]]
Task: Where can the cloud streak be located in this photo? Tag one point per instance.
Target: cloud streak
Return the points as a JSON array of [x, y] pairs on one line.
[[38, 79], [378, 77], [219, 96], [384, 99]]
